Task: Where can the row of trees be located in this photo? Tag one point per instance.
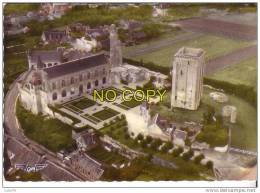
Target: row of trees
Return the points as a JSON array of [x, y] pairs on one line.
[[156, 143]]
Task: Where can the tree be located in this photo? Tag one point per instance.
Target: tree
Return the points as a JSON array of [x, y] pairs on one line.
[[140, 137], [143, 144], [168, 145], [148, 139], [209, 164], [127, 136], [164, 149], [156, 143], [177, 152], [208, 115], [187, 142], [198, 158], [186, 156]]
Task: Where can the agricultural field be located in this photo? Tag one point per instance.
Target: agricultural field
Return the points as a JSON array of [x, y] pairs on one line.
[[213, 45], [244, 72]]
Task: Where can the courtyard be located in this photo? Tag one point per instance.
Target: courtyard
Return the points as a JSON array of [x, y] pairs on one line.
[[87, 111]]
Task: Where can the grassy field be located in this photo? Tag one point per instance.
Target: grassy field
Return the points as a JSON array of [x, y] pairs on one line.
[[51, 133], [244, 72], [105, 156], [83, 103], [105, 114], [244, 131], [213, 45]]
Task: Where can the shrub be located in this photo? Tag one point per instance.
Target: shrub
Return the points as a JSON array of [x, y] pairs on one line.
[[164, 149], [186, 156], [209, 164], [143, 144], [177, 151], [148, 139], [198, 158], [140, 137], [156, 143], [168, 145], [127, 136]]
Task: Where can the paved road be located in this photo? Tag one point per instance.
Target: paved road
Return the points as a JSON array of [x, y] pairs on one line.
[[231, 58], [13, 132], [161, 44]]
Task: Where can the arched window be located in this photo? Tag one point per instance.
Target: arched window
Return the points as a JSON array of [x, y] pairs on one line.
[[49, 64], [88, 76], [72, 80], [72, 91], [96, 73], [104, 71], [64, 93], [54, 96], [96, 83], [63, 83], [80, 77], [81, 89], [89, 85], [104, 80], [53, 86], [55, 64]]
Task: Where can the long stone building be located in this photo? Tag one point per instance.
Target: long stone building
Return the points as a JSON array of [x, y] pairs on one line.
[[53, 77], [45, 86], [187, 78]]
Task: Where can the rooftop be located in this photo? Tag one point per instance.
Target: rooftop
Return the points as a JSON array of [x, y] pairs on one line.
[[189, 52], [76, 65]]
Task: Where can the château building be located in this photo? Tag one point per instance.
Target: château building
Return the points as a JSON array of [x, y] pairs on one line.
[[187, 78]]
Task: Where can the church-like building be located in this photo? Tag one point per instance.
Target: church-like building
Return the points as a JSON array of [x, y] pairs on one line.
[[51, 79]]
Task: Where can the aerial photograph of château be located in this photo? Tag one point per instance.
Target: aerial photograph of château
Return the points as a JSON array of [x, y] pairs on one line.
[[129, 92]]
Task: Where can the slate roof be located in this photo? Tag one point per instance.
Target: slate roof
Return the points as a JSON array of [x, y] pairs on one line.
[[76, 65], [45, 56], [180, 134]]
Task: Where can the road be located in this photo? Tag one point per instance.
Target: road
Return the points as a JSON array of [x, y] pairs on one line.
[[13, 132]]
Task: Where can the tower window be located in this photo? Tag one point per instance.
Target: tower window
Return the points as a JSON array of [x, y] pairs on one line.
[[181, 73]]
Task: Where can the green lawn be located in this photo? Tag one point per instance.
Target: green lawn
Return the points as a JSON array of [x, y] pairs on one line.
[[244, 131], [244, 72], [132, 103], [213, 45], [106, 113], [105, 156], [91, 118], [83, 103], [213, 135], [51, 133]]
